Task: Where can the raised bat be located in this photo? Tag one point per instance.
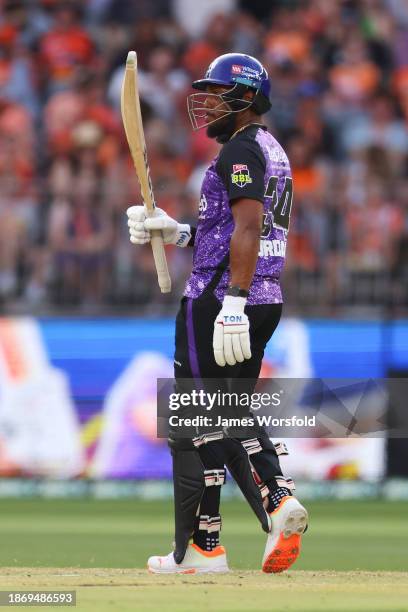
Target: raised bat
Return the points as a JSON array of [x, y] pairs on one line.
[[132, 122]]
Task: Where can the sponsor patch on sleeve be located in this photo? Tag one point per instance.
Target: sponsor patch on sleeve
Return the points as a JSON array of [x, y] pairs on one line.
[[240, 175]]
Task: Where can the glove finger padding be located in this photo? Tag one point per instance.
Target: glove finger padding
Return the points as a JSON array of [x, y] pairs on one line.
[[228, 352], [139, 238], [245, 343], [218, 344], [136, 213], [236, 347], [136, 225], [139, 233]]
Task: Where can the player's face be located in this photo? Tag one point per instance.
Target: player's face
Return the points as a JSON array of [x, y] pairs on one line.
[[218, 113]]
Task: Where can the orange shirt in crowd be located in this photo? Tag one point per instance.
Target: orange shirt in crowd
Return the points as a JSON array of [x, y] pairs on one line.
[[293, 46], [354, 82], [61, 51], [307, 180]]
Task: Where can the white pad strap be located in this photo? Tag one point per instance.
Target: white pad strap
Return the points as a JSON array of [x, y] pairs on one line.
[[281, 448], [208, 437], [252, 446], [215, 478], [263, 490], [285, 482], [209, 523]]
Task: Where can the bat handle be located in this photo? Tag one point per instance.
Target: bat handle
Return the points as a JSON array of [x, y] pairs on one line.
[[160, 261]]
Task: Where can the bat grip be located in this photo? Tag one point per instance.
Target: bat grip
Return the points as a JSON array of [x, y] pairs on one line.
[[160, 261]]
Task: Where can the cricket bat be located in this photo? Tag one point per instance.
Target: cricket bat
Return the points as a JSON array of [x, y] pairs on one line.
[[132, 122]]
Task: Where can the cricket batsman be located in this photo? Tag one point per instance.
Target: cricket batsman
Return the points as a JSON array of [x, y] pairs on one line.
[[231, 306]]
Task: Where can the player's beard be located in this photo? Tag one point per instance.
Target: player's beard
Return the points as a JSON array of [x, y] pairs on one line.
[[223, 128]]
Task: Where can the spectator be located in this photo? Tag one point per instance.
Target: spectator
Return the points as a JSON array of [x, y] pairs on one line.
[[17, 195], [80, 234], [339, 92], [379, 127], [64, 48], [16, 68], [355, 77]]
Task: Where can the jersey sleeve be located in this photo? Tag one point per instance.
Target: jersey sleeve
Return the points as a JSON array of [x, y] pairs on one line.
[[241, 166]]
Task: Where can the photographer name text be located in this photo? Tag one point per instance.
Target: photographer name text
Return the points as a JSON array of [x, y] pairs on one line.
[[250, 421]]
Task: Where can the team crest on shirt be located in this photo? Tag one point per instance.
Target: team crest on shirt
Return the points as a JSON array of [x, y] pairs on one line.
[[240, 175]]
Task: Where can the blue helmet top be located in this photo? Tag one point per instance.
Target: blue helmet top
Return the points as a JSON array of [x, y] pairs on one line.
[[233, 68]]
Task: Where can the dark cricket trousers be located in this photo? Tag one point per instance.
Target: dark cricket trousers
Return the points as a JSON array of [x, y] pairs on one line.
[[194, 358]]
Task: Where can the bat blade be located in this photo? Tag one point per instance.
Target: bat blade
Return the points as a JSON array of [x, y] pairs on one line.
[[132, 122]]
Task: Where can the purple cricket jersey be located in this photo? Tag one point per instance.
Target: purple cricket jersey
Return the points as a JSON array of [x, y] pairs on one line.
[[251, 165]]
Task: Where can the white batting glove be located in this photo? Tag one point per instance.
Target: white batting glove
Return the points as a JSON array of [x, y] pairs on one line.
[[140, 226], [231, 341]]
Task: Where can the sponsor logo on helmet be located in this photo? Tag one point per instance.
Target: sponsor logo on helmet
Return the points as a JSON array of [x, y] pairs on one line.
[[246, 71], [240, 175]]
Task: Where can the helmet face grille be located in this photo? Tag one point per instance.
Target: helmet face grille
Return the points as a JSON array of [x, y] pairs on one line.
[[225, 104]]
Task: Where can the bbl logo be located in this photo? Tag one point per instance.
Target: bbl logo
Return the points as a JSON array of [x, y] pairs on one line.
[[240, 175]]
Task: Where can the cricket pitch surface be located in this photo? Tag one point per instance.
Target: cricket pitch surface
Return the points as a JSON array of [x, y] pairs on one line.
[[135, 589]]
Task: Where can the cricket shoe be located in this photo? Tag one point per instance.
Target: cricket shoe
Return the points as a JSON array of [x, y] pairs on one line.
[[196, 561], [289, 521]]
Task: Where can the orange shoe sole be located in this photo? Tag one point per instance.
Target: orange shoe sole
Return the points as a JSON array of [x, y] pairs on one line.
[[283, 555]]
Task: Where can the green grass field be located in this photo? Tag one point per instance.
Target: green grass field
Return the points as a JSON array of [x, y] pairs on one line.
[[355, 557]]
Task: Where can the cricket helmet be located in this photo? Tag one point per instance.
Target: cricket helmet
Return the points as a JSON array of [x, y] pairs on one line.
[[241, 73]]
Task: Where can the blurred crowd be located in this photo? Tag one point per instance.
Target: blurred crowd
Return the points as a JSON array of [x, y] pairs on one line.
[[339, 76]]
